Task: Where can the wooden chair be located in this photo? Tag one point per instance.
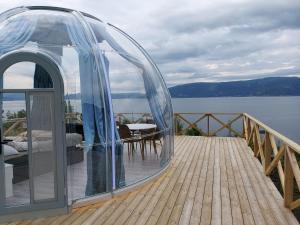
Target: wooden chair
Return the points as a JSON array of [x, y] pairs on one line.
[[151, 136], [130, 139], [151, 121]]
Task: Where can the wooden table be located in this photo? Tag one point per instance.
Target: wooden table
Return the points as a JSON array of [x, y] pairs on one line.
[[140, 126]]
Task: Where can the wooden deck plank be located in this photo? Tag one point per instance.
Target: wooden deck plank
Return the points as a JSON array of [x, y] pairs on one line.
[[188, 204], [216, 204], [197, 207], [126, 213], [277, 208], [255, 183], [236, 212], [172, 189], [141, 207], [243, 198], [166, 187], [211, 180], [182, 196], [225, 196], [208, 191], [256, 212], [179, 192]]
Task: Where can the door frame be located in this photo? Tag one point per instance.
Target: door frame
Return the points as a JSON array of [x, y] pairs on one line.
[[53, 69]]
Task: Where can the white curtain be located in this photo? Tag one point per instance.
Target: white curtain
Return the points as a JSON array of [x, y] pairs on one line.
[[95, 113]]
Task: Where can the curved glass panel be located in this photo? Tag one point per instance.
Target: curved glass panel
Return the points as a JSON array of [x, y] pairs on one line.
[[31, 74], [117, 109]]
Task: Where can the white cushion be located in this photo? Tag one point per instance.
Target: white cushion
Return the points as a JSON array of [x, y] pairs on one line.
[[45, 144], [20, 146], [38, 135], [8, 150], [73, 139]]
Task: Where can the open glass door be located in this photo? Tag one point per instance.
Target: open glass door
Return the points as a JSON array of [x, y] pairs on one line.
[[32, 155]]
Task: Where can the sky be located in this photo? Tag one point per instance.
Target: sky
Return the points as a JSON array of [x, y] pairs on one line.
[[197, 41]]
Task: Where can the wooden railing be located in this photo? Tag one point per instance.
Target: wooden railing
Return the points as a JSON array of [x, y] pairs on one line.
[[275, 151], [206, 128]]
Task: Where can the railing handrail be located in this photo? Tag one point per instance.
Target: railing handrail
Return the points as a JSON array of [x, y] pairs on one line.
[[208, 113], [293, 145]]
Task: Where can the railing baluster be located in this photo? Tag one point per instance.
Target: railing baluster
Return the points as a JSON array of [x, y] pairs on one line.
[[208, 132], [287, 149], [267, 151], [288, 180]]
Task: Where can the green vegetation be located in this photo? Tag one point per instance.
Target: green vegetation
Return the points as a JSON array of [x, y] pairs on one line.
[[16, 115], [14, 119], [192, 132]]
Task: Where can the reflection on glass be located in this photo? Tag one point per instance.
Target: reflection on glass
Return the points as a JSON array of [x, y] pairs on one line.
[[14, 124], [32, 76], [93, 70], [43, 151]]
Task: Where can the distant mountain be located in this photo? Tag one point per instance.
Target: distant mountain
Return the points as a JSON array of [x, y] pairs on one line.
[[114, 95], [19, 96], [273, 86]]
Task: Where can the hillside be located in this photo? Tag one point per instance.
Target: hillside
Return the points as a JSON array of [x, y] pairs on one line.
[[274, 86]]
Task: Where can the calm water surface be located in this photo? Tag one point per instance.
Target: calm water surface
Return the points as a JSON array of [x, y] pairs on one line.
[[280, 113]]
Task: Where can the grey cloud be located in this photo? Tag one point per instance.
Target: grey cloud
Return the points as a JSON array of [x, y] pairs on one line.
[[204, 40], [256, 16]]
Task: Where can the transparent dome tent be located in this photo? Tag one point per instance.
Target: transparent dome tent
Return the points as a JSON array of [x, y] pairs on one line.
[[85, 111]]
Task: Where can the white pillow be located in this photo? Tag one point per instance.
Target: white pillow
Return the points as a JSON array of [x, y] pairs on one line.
[[8, 150], [73, 139], [20, 146]]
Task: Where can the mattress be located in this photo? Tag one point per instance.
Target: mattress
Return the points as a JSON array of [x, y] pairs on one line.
[[42, 141]]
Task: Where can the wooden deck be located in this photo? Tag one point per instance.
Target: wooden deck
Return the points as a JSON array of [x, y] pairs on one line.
[[212, 180]]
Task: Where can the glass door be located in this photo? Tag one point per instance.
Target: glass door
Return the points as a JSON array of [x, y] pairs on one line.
[[32, 152]]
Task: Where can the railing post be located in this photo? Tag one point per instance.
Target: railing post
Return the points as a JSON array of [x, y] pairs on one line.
[[208, 125], [288, 180], [245, 130], [175, 122], [267, 151], [229, 129], [249, 129]]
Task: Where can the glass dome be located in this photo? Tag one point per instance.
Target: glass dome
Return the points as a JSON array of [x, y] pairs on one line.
[[84, 109]]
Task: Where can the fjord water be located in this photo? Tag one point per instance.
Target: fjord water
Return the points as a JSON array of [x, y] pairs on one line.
[[280, 113]]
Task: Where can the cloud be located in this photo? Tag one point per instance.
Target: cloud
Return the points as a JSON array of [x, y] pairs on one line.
[[204, 40]]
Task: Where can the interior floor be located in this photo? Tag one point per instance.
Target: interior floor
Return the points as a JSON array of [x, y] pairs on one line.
[[136, 169]]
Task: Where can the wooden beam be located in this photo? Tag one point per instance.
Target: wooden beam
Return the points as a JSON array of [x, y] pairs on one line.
[[245, 128], [295, 166], [191, 125], [275, 161], [295, 204], [279, 165], [224, 125], [251, 136], [288, 181], [289, 142], [259, 144], [267, 152]]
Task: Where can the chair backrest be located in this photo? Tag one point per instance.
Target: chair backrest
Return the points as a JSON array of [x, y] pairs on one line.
[[124, 132], [151, 121], [148, 133], [158, 134]]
